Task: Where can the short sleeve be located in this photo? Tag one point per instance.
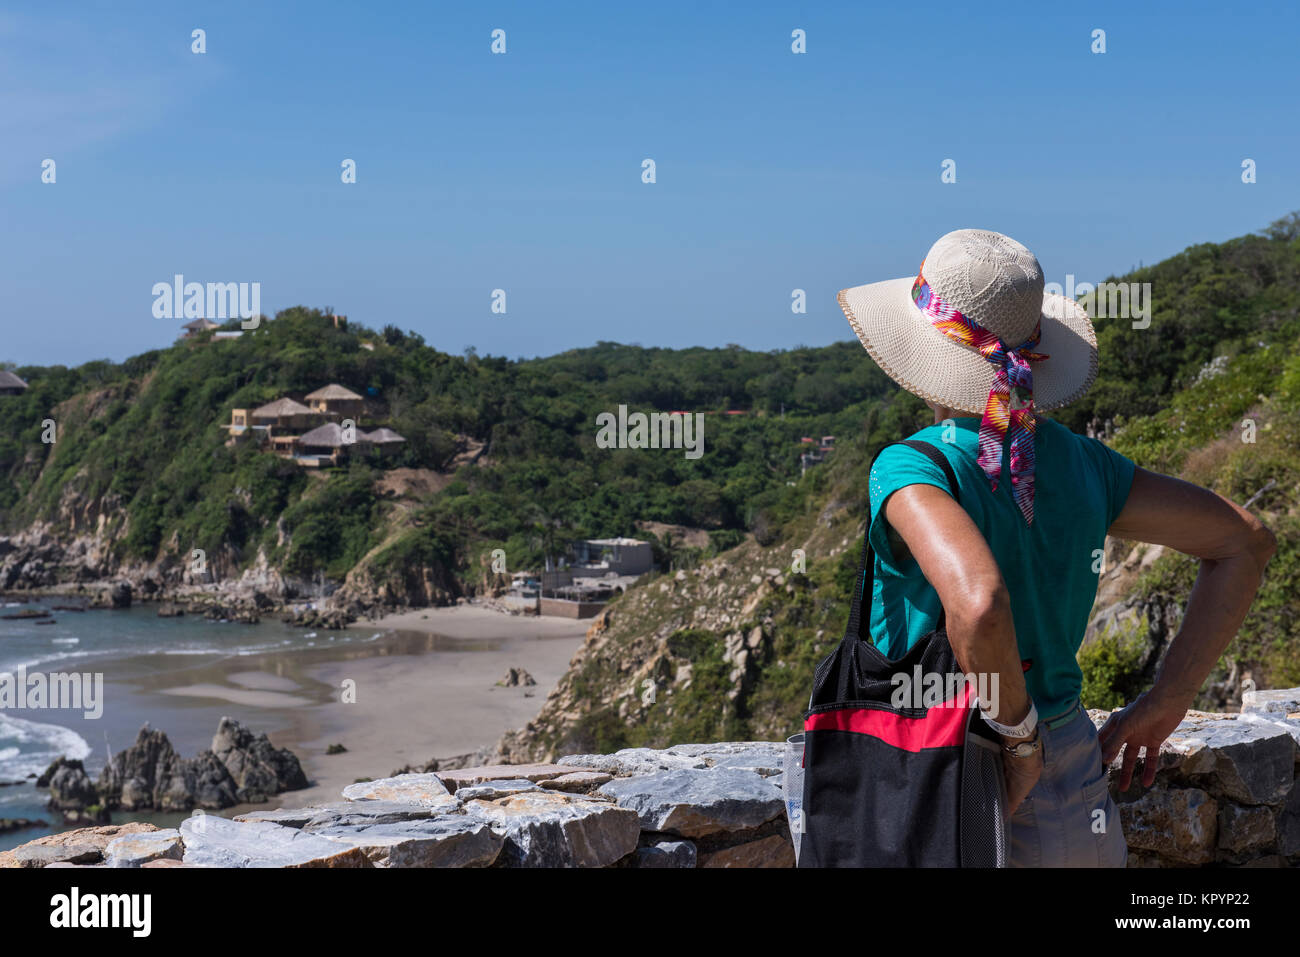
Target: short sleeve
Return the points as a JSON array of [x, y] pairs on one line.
[[1117, 476], [896, 467]]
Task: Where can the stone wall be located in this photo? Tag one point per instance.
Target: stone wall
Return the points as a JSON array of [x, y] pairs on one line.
[[1224, 796], [1225, 791]]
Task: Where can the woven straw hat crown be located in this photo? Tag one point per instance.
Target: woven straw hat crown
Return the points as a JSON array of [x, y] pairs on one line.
[[989, 278], [995, 282]]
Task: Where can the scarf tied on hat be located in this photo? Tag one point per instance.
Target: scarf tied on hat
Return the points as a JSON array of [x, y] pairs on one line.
[[1010, 406]]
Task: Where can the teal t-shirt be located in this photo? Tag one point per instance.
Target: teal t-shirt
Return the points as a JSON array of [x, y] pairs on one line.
[[1050, 568]]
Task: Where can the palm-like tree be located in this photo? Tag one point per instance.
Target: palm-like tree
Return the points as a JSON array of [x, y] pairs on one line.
[[550, 531]]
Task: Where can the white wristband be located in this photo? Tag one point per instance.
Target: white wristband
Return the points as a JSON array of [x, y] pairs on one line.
[[1022, 730]]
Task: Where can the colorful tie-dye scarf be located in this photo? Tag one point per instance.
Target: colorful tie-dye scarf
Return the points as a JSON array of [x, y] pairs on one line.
[[1011, 399]]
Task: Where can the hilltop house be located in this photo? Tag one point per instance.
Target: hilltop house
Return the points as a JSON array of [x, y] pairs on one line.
[[192, 329], [312, 436], [335, 398], [385, 440], [285, 414], [323, 442], [10, 384]]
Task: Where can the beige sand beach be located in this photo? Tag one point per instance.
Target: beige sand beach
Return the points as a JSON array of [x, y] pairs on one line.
[[438, 702]]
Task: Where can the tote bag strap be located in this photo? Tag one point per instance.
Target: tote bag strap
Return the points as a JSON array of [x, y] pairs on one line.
[[860, 624]]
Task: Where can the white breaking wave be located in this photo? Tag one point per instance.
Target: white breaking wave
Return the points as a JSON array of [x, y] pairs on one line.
[[28, 747]]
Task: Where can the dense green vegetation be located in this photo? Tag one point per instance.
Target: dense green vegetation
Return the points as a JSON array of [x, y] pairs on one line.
[[143, 439], [1210, 391]]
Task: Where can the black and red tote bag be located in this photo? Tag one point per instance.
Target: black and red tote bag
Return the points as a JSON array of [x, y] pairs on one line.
[[894, 779]]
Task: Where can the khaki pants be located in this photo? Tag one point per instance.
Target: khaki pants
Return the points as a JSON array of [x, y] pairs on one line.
[[1069, 818]]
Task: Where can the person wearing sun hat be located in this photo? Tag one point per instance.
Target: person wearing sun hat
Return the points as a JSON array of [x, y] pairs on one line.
[[1015, 565]]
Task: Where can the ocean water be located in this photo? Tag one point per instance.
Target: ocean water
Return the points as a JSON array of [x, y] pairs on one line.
[[137, 654]]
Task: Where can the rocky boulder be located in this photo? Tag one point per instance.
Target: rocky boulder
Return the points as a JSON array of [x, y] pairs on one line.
[[119, 596], [130, 781], [259, 769], [242, 768], [70, 786]]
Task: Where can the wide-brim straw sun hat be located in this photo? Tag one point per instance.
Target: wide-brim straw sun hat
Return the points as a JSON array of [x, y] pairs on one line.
[[994, 282]]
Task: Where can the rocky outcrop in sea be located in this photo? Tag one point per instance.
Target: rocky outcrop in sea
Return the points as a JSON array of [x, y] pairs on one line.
[[240, 768]]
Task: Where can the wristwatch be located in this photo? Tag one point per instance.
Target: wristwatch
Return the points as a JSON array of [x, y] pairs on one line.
[[1025, 748], [1021, 730]]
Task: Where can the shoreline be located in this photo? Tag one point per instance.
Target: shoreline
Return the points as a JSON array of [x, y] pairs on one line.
[[424, 682]]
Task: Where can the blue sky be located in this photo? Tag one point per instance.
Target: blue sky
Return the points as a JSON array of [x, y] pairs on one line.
[[522, 171]]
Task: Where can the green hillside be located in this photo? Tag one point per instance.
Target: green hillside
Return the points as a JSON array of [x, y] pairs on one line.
[[1221, 349], [141, 443]]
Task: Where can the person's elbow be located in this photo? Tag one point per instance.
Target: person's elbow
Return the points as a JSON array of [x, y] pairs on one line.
[[984, 609], [1259, 542]]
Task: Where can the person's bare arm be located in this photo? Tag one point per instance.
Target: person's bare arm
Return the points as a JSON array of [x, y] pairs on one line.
[[1233, 546], [957, 561]]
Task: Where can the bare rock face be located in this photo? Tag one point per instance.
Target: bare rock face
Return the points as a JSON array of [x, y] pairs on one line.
[[1246, 829], [241, 768], [1180, 824], [259, 769], [120, 595], [130, 781], [517, 677], [200, 781], [70, 786]]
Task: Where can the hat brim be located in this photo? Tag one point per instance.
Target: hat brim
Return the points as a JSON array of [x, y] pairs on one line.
[[925, 362]]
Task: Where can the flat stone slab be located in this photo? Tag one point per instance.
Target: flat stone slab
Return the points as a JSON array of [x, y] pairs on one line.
[[632, 761], [426, 790], [695, 803], [765, 757], [772, 851], [1275, 719], [576, 781], [97, 837], [450, 840], [62, 864], [465, 777], [136, 850], [491, 790], [212, 841], [1280, 702], [1249, 758], [285, 816], [343, 814], [45, 855], [554, 829]]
